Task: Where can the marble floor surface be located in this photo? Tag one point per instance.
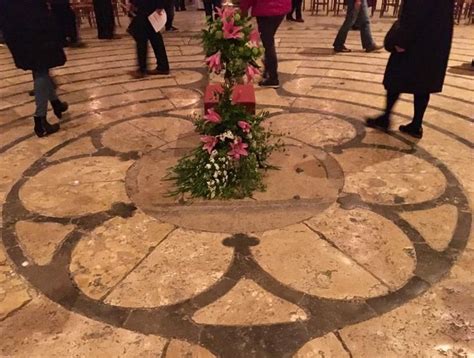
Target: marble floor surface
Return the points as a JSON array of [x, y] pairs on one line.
[[360, 247]]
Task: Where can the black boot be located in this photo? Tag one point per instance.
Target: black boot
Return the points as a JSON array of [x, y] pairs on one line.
[[381, 123], [412, 129], [59, 108], [43, 128]]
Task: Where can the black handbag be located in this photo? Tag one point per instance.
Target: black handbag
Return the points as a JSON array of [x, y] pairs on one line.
[[390, 39]]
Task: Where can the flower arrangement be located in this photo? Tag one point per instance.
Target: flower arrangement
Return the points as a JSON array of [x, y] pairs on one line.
[[235, 147]]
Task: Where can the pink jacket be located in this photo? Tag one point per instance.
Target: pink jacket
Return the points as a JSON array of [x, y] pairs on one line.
[[266, 7]]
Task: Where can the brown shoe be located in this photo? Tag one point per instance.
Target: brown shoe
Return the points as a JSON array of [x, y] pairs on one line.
[[158, 72], [138, 74]]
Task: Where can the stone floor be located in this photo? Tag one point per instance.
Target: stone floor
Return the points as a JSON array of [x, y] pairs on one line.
[[359, 248]]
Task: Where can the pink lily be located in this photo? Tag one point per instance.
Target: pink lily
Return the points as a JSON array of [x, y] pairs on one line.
[[209, 142], [244, 126], [214, 62], [238, 149], [225, 12], [254, 37], [212, 116], [231, 31], [251, 72]]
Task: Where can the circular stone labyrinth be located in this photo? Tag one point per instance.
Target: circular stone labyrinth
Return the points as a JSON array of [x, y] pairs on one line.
[[278, 268]]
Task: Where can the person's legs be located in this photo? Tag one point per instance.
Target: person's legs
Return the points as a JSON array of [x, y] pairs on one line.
[[159, 49], [109, 18], [363, 23], [208, 8], [169, 8], [421, 103], [268, 26], [142, 52], [289, 16], [59, 12], [351, 17], [71, 27], [44, 90], [297, 5], [383, 122]]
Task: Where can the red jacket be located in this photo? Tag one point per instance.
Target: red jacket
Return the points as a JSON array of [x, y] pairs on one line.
[[266, 7]]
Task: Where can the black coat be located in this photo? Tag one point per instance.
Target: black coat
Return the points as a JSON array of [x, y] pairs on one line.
[[31, 34], [425, 32]]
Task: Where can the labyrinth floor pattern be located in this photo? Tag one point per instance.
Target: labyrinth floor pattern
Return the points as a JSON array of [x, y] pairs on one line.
[[359, 248]]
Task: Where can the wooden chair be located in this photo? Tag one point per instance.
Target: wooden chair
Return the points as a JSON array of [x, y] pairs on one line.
[[372, 4], [316, 4], [386, 4], [84, 10], [338, 6]]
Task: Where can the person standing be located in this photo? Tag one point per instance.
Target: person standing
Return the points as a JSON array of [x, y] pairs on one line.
[[31, 35], [66, 20], [169, 8], [296, 9], [269, 14], [142, 31], [358, 15], [420, 48], [210, 7], [104, 14], [180, 5]]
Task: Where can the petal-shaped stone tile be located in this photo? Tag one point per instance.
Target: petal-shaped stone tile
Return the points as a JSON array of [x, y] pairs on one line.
[[371, 240], [40, 240], [182, 266], [105, 256], [185, 77], [325, 347], [181, 349], [381, 138], [168, 129], [45, 329], [77, 187], [81, 146], [248, 304], [390, 177], [436, 225], [313, 128], [299, 258]]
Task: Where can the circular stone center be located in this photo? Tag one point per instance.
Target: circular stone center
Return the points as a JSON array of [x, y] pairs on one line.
[[307, 182]]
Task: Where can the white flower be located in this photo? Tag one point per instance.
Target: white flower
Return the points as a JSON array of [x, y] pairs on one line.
[[216, 175], [208, 166], [212, 160], [216, 166]]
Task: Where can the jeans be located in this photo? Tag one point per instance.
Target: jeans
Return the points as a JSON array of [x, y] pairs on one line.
[[210, 5], [44, 91], [146, 33], [297, 4], [268, 26], [360, 18]]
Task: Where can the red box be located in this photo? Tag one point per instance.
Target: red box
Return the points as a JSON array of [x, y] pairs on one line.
[[243, 95]]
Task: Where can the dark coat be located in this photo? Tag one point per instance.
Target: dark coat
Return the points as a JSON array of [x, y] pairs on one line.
[[31, 34], [425, 32]]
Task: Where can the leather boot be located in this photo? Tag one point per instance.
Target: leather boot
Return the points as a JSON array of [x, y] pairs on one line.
[[59, 108], [43, 128]]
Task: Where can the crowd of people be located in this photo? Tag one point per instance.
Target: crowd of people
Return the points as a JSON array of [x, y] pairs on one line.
[[36, 32]]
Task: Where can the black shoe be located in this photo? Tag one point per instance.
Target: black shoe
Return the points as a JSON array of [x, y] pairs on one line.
[[382, 123], [269, 83], [299, 20], [31, 93], [172, 29], [157, 71], [77, 44], [138, 74], [43, 128], [59, 108], [374, 48], [290, 18], [342, 49], [412, 130]]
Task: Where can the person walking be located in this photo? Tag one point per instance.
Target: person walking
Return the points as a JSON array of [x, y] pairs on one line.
[[142, 31], [180, 5], [66, 20], [31, 35], [296, 9], [269, 14], [357, 15], [420, 44], [104, 14], [169, 8]]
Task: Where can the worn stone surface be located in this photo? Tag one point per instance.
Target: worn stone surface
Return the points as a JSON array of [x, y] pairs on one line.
[[182, 266], [77, 187], [325, 347], [179, 349], [41, 240], [110, 252], [299, 258], [371, 240], [248, 304]]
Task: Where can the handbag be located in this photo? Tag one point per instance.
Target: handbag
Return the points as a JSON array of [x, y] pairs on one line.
[[391, 37]]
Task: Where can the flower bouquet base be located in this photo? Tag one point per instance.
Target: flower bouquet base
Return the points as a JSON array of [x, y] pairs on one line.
[[243, 95]]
